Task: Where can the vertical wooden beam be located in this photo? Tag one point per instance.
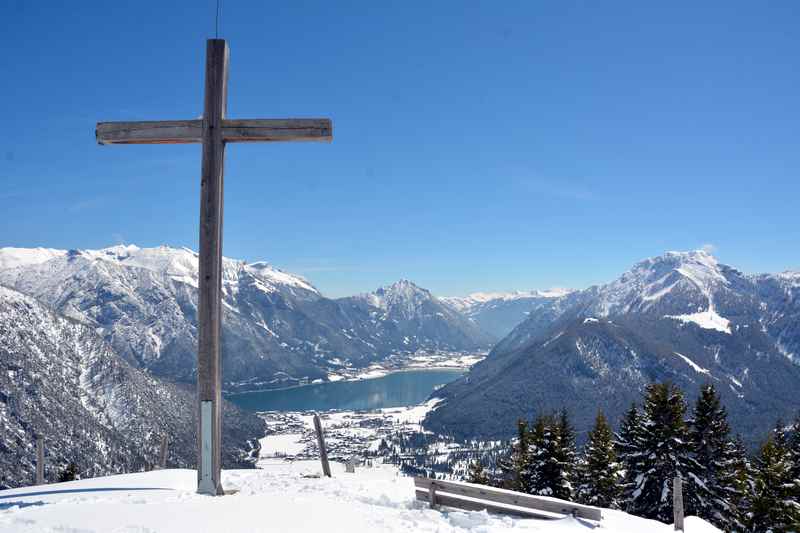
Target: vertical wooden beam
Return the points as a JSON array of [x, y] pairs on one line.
[[677, 503], [40, 460], [432, 495], [323, 452], [162, 455], [209, 375]]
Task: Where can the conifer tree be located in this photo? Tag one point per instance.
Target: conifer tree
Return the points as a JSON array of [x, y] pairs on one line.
[[665, 454], [477, 474], [717, 460], [564, 457], [551, 455], [737, 477], [540, 449], [629, 444], [599, 472], [794, 459], [772, 509], [516, 469]]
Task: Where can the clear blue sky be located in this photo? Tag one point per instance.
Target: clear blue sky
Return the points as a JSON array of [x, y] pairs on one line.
[[477, 146]]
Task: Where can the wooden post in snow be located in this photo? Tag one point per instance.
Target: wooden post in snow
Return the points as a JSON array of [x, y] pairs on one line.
[[162, 456], [40, 460], [432, 495], [323, 452], [677, 503]]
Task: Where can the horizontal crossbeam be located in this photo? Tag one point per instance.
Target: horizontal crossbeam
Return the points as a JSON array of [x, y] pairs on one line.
[[277, 129], [191, 131], [150, 132]]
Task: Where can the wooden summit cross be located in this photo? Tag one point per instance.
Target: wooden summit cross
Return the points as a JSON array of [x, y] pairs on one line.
[[213, 131]]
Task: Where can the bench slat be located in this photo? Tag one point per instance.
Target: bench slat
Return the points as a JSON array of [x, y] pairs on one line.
[[474, 504], [508, 497]]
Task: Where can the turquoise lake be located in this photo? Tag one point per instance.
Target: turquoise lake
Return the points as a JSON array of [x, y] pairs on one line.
[[393, 390]]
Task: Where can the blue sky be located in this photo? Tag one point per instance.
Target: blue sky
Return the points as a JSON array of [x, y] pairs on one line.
[[477, 145]]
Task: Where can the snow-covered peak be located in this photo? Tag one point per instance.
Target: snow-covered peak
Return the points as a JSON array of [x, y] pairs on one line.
[[16, 257], [466, 304], [699, 266], [402, 295], [180, 264], [687, 280]]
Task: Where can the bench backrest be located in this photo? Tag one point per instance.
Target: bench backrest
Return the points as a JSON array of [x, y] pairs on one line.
[[510, 497]]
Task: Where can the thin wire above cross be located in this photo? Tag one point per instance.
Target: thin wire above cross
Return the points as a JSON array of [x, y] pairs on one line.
[[214, 131]]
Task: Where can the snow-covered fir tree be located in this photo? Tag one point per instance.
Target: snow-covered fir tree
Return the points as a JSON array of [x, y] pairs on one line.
[[628, 444], [794, 458], [551, 457], [477, 474], [599, 472], [720, 463], [564, 457], [539, 447], [516, 468], [664, 453], [773, 508]]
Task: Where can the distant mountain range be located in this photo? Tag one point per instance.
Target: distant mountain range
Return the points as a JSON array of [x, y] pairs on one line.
[[60, 380], [278, 330], [681, 317], [498, 313]]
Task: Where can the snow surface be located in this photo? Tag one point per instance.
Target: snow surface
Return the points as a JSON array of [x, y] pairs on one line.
[[697, 368], [282, 444], [276, 498], [708, 319]]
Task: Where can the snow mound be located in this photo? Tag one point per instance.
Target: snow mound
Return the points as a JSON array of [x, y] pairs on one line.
[[275, 498]]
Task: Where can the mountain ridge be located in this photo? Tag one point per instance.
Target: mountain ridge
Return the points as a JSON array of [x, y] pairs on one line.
[[278, 329], [682, 316]]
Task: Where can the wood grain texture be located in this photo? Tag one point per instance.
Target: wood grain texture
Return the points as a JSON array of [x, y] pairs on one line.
[[163, 452], [40, 460], [323, 451], [491, 495], [209, 309], [277, 130], [150, 132], [677, 503]]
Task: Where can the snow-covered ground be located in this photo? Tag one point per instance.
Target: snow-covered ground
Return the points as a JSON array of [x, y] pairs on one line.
[[409, 361], [280, 497], [291, 434]]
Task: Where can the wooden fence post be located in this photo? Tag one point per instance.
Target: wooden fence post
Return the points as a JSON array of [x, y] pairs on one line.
[[677, 503], [432, 496], [40, 460], [323, 452], [162, 456]]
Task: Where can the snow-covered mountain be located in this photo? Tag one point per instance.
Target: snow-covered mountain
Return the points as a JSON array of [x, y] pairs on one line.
[[60, 380], [277, 328], [682, 317], [498, 313], [415, 318]]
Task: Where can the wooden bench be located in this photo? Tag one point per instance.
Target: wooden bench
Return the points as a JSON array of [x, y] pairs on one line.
[[478, 497]]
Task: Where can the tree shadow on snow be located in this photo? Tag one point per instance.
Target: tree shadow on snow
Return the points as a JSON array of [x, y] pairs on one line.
[[76, 491], [21, 505]]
